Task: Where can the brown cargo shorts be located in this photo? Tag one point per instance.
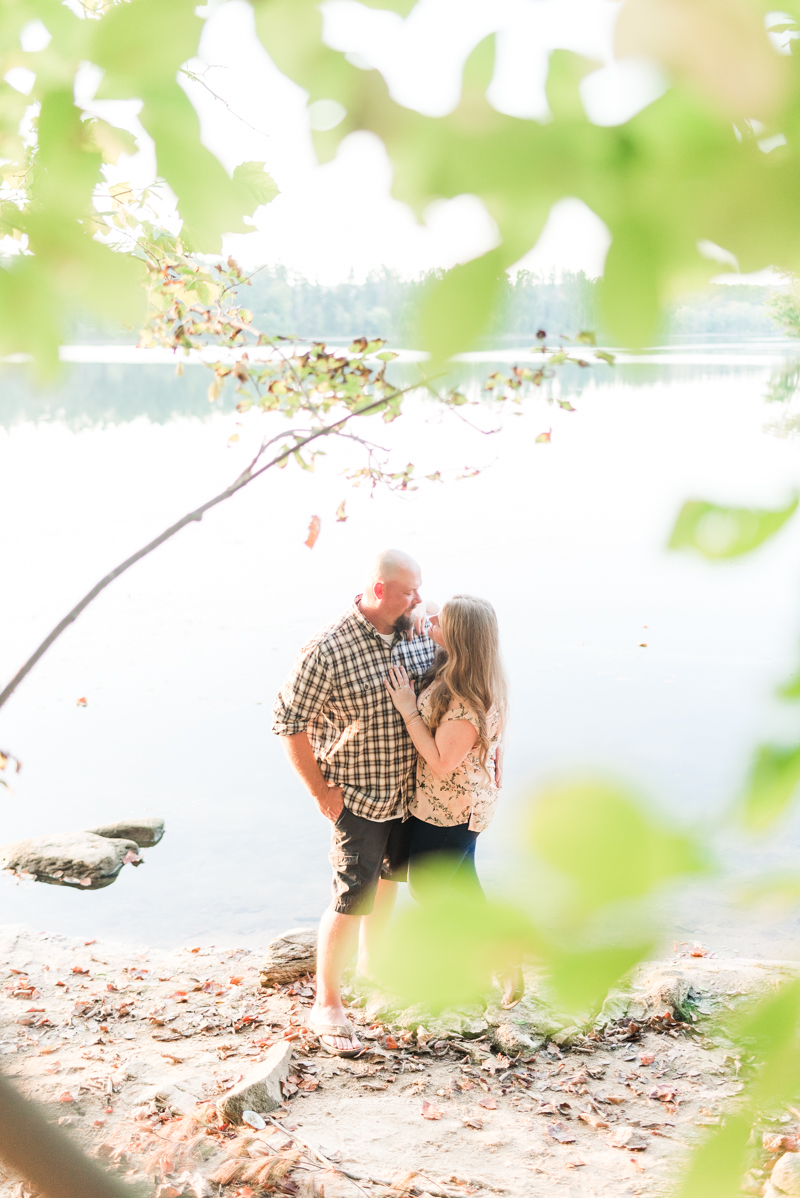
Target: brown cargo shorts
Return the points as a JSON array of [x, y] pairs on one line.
[[362, 852]]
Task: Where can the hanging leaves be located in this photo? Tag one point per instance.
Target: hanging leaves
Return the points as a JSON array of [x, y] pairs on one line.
[[313, 532], [723, 532]]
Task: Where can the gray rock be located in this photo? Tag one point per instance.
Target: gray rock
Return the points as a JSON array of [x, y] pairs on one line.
[[614, 1008], [568, 1036], [145, 832], [79, 859], [170, 1096], [513, 1040], [260, 1089], [786, 1174], [664, 994], [289, 957]]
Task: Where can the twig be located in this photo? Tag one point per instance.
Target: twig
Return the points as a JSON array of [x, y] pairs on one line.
[[244, 478]]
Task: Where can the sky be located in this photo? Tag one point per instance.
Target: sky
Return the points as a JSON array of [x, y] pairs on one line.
[[339, 221]]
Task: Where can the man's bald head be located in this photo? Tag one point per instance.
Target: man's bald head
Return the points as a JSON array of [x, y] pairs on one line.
[[392, 590], [389, 564]]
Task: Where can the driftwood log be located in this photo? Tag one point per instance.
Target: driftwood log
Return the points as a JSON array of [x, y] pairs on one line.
[[289, 956]]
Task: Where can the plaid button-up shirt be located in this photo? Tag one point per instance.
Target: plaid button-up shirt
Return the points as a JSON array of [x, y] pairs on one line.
[[335, 693]]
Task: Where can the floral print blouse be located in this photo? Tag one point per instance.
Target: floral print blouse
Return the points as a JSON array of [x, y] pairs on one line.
[[467, 794]]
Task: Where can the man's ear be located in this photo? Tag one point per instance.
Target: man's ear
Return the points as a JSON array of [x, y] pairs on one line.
[[378, 589]]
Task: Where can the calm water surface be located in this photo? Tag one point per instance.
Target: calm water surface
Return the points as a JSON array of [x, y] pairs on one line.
[[180, 660]]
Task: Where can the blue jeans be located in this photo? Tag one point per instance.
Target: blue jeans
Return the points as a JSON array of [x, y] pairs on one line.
[[454, 850]]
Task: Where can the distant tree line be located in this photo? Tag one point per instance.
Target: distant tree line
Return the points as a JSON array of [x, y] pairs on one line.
[[384, 305]]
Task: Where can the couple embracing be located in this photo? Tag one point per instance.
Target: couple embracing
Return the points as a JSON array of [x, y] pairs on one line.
[[393, 718]]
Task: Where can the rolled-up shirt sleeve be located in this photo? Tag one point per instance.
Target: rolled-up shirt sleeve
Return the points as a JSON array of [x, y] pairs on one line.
[[302, 695]]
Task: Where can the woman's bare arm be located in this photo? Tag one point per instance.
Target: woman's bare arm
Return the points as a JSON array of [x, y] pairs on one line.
[[443, 752]]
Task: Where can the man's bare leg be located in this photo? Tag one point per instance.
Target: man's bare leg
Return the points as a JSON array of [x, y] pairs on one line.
[[373, 927], [336, 942]]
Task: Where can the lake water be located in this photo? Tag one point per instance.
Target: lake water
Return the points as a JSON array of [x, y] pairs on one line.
[[180, 659]]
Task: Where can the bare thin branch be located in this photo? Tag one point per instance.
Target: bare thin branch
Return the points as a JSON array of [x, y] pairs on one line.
[[247, 476]]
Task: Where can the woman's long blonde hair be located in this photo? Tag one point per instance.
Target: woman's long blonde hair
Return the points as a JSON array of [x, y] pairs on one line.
[[470, 671]]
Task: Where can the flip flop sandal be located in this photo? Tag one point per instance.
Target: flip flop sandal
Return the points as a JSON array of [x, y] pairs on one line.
[[512, 984], [335, 1029]]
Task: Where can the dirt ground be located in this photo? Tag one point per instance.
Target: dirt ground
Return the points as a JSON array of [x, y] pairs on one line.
[[96, 1032]]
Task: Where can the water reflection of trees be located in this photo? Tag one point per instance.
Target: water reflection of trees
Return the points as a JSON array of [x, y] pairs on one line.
[[88, 395]]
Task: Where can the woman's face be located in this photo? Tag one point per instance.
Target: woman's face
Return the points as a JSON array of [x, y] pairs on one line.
[[435, 632]]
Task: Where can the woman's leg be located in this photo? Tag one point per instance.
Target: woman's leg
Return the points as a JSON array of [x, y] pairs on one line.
[[441, 857]]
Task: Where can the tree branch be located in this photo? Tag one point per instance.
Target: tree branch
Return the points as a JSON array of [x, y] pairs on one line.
[[247, 476]]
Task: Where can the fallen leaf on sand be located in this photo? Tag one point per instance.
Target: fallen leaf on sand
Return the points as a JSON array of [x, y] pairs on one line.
[[391, 1043], [629, 1139], [477, 1124], [83, 702], [593, 1120], [313, 532], [560, 1132], [771, 1141], [647, 1058], [663, 1093], [66, 1097], [429, 1111], [544, 438], [488, 1104]]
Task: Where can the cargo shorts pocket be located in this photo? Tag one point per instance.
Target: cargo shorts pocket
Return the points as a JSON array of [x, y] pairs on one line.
[[347, 880]]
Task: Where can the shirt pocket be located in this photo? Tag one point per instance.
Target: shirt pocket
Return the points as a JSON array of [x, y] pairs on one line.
[[356, 703]]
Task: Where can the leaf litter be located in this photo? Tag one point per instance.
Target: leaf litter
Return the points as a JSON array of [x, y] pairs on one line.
[[88, 1048]]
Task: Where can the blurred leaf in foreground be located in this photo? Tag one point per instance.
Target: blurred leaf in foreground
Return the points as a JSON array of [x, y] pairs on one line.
[[445, 952], [722, 532], [607, 844], [770, 1033], [773, 780]]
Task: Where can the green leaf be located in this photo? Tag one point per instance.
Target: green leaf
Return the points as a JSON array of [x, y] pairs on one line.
[[724, 532], [456, 309], [774, 778], [582, 979], [257, 183], [629, 296], [142, 44], [444, 952], [607, 844], [404, 7]]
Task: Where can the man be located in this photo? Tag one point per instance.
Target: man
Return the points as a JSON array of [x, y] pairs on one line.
[[351, 749]]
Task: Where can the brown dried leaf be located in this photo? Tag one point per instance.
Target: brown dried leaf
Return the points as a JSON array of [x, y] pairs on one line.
[[561, 1133], [313, 532]]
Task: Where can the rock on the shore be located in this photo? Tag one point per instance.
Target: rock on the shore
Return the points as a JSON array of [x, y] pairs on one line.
[[289, 957], [513, 1039], [170, 1096], [260, 1089], [145, 832], [786, 1174], [80, 859]]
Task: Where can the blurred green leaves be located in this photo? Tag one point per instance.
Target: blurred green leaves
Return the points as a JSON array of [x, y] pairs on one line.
[[770, 1033], [443, 953], [608, 844], [773, 781], [610, 851], [723, 532]]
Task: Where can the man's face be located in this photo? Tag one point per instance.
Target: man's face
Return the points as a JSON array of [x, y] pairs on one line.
[[399, 596]]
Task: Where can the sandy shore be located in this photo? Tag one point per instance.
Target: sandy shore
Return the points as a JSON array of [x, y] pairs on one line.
[[130, 1049]]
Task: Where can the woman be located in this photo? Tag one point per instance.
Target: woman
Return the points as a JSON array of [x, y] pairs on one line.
[[457, 728]]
